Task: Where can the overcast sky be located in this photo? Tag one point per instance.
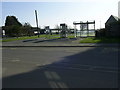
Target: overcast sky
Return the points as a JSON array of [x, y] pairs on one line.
[[55, 12]]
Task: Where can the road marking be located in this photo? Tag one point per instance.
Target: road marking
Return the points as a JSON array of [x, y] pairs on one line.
[[57, 84], [55, 76], [52, 75], [48, 75], [53, 84], [62, 85]]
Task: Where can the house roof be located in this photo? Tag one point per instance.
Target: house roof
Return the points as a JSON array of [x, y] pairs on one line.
[[116, 17], [112, 19]]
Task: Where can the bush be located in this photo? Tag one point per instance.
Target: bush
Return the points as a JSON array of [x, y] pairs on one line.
[[100, 33]]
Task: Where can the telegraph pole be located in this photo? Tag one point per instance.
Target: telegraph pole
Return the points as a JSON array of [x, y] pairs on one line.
[[37, 21]]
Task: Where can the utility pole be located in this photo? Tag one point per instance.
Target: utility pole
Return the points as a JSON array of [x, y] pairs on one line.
[[37, 21]]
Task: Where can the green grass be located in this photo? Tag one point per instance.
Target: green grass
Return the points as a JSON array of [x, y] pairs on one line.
[[71, 36], [19, 38], [54, 36], [57, 36], [100, 40]]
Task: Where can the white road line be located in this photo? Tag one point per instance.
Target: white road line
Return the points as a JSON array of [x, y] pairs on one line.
[[62, 85], [53, 84], [48, 75]]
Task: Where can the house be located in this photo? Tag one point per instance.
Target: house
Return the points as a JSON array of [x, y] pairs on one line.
[[112, 19], [112, 26]]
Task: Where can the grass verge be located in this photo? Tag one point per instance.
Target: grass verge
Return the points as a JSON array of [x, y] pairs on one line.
[[54, 36], [100, 40]]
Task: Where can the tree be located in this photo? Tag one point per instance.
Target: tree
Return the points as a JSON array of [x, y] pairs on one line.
[[12, 20], [27, 24], [12, 26], [28, 29], [12, 31]]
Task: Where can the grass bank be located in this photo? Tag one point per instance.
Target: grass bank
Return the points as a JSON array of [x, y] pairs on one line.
[[100, 40]]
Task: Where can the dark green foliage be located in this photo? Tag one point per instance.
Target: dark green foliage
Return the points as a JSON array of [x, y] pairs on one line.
[[100, 33], [12, 31], [12, 20], [27, 30], [13, 28], [100, 40]]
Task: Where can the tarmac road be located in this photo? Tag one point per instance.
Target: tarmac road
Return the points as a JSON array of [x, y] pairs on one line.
[[60, 67]]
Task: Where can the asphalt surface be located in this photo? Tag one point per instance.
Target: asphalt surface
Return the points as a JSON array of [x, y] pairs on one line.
[[40, 41], [60, 67], [63, 42]]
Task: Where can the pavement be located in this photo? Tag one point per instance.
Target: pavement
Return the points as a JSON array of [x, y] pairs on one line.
[[65, 42]]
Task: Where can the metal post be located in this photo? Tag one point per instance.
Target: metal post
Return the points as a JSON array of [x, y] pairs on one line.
[[94, 25], [80, 30], [87, 30], [75, 30], [36, 21]]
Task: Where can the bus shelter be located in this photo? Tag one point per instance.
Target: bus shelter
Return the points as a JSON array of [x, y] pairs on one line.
[[84, 28]]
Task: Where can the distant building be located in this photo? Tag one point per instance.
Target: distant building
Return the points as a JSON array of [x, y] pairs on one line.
[[36, 30], [112, 26], [2, 31]]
